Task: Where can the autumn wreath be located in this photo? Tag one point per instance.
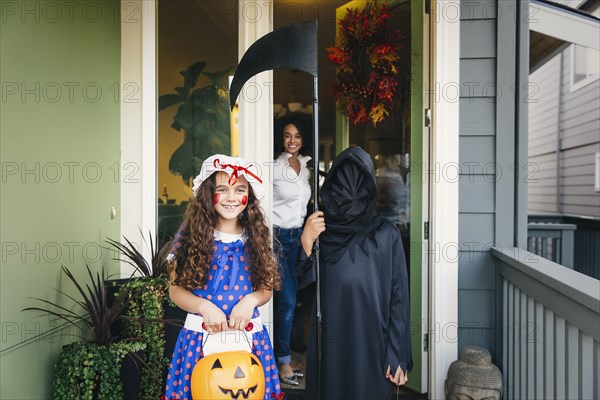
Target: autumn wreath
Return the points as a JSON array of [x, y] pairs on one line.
[[366, 56]]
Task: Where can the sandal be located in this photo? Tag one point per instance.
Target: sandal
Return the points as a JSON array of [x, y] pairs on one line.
[[292, 380], [298, 373]]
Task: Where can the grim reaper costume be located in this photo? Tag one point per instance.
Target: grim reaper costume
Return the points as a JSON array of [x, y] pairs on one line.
[[364, 289]]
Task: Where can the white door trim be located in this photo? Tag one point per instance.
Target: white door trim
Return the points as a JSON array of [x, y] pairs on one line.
[[138, 123], [255, 129], [149, 117], [443, 253]]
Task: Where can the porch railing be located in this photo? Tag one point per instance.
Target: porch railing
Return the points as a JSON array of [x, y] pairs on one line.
[[587, 236], [550, 328], [553, 241]]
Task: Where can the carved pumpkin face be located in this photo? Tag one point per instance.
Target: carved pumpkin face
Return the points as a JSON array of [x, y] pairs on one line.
[[229, 375]]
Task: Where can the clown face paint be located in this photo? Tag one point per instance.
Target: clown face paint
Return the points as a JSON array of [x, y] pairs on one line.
[[230, 201]]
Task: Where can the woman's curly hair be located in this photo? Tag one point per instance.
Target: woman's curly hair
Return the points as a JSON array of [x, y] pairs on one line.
[[190, 266]]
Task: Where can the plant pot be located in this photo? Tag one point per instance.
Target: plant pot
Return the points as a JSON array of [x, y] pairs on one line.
[[144, 290], [113, 288], [131, 376]]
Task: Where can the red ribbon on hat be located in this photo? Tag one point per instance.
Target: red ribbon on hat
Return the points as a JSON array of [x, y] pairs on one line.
[[235, 175]]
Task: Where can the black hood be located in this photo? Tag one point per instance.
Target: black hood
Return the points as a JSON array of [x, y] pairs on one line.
[[349, 195]]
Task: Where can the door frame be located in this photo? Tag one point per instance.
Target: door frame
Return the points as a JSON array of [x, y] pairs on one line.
[[138, 100], [256, 114], [419, 258], [420, 195], [138, 146], [444, 188]]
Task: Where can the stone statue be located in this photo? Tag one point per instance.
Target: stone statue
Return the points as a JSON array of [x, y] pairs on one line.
[[473, 376]]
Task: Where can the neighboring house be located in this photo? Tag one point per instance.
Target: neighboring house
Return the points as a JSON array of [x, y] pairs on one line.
[[564, 142], [540, 321], [564, 119]]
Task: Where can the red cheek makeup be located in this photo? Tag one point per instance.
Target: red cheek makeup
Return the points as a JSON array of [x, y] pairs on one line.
[[244, 200], [216, 198]]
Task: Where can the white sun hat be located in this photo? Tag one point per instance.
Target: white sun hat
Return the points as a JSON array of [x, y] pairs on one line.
[[234, 167]]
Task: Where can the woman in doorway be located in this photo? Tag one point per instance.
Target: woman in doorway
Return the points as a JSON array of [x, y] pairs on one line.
[[291, 193]]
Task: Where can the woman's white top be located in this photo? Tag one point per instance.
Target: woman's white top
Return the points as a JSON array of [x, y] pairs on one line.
[[291, 192]]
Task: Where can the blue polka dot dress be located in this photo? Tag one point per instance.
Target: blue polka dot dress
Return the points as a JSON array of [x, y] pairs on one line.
[[229, 280]]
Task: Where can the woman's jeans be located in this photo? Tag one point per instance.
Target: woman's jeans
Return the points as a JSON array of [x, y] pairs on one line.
[[286, 247]]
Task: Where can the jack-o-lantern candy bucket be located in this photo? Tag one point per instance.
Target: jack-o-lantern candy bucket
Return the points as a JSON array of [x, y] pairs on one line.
[[228, 375]]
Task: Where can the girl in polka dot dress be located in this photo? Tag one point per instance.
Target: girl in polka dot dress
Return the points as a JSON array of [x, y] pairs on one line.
[[222, 269]]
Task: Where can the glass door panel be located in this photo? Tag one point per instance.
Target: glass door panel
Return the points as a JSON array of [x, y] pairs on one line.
[[197, 51]]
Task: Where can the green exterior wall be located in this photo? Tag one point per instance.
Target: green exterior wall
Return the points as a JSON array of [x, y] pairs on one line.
[[60, 149]]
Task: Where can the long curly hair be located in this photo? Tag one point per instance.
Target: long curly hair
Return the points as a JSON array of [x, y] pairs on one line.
[[190, 266]]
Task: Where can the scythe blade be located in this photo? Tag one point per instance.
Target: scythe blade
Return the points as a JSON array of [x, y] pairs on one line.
[[291, 47]]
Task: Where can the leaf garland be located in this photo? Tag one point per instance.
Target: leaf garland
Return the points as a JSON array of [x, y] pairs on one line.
[[366, 57]]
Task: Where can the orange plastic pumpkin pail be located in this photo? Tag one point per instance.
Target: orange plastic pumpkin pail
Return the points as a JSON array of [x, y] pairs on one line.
[[228, 375]]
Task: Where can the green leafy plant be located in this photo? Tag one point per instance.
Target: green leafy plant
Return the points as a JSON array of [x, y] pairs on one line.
[[89, 369], [203, 114], [145, 307], [86, 371]]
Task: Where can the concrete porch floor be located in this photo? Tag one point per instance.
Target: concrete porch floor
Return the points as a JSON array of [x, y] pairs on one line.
[[302, 319], [297, 392]]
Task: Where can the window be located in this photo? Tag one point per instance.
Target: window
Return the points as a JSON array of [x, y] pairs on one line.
[[585, 63], [584, 66], [597, 174]]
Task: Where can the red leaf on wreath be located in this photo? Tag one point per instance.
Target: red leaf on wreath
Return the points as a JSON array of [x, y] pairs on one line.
[[336, 55]]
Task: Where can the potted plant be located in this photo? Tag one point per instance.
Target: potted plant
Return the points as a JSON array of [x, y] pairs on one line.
[[148, 310], [203, 114], [90, 368]]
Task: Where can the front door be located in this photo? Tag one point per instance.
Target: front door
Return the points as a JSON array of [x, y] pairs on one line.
[[399, 147]]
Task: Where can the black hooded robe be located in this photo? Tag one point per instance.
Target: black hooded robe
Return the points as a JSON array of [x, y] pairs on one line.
[[364, 288]]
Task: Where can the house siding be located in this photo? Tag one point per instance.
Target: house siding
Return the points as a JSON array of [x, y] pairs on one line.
[[478, 172], [542, 184], [55, 208], [577, 119]]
